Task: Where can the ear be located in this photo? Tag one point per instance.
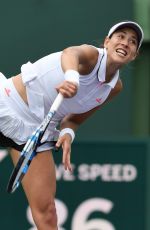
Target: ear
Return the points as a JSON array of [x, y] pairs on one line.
[[106, 41]]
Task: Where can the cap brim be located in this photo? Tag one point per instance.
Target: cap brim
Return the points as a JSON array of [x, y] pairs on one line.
[[129, 24]]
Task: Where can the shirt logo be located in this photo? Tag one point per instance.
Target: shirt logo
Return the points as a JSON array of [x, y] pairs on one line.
[[7, 91], [99, 100]]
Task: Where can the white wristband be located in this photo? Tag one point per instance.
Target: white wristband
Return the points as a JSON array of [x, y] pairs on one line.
[[69, 131], [72, 75]]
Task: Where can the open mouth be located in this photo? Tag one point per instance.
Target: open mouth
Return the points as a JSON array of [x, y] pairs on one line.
[[121, 52]]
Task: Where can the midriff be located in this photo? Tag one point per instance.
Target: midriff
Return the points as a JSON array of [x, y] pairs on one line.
[[21, 89]]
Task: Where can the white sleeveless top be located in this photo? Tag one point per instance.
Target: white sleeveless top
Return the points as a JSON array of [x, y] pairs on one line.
[[41, 79]]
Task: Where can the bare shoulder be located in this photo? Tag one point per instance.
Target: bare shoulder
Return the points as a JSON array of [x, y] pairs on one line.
[[84, 51], [84, 47], [89, 48], [87, 56]]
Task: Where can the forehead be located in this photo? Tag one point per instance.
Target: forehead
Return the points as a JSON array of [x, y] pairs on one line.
[[128, 30]]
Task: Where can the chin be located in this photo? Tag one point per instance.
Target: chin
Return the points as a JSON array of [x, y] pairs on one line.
[[120, 60]]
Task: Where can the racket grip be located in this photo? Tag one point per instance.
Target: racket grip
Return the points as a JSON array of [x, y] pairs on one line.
[[57, 102]]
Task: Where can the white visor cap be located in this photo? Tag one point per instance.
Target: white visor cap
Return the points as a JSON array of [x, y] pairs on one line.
[[136, 27]]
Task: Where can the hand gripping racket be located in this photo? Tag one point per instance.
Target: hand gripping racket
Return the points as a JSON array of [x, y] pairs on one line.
[[29, 150]]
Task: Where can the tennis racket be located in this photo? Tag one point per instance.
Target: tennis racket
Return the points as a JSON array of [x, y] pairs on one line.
[[29, 150]]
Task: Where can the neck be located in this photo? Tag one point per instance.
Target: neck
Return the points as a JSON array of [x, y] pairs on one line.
[[111, 69]]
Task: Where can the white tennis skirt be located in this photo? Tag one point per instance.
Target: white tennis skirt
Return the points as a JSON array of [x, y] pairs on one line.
[[16, 120]]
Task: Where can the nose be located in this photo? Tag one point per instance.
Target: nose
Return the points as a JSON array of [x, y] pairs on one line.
[[125, 42]]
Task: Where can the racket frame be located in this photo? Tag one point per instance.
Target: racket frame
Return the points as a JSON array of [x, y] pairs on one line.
[[29, 150]]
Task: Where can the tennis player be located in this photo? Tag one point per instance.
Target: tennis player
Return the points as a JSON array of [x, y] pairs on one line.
[[87, 77]]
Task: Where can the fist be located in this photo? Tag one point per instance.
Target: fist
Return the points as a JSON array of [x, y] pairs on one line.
[[67, 88]]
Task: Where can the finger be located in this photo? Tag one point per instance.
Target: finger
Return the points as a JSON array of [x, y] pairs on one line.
[[72, 85], [59, 142], [67, 163], [66, 160], [69, 166], [67, 90], [65, 93]]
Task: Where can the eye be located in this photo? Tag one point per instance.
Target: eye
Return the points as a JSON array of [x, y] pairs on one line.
[[121, 36], [133, 41]]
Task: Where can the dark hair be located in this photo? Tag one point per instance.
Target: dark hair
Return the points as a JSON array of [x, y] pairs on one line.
[[138, 39], [102, 44]]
